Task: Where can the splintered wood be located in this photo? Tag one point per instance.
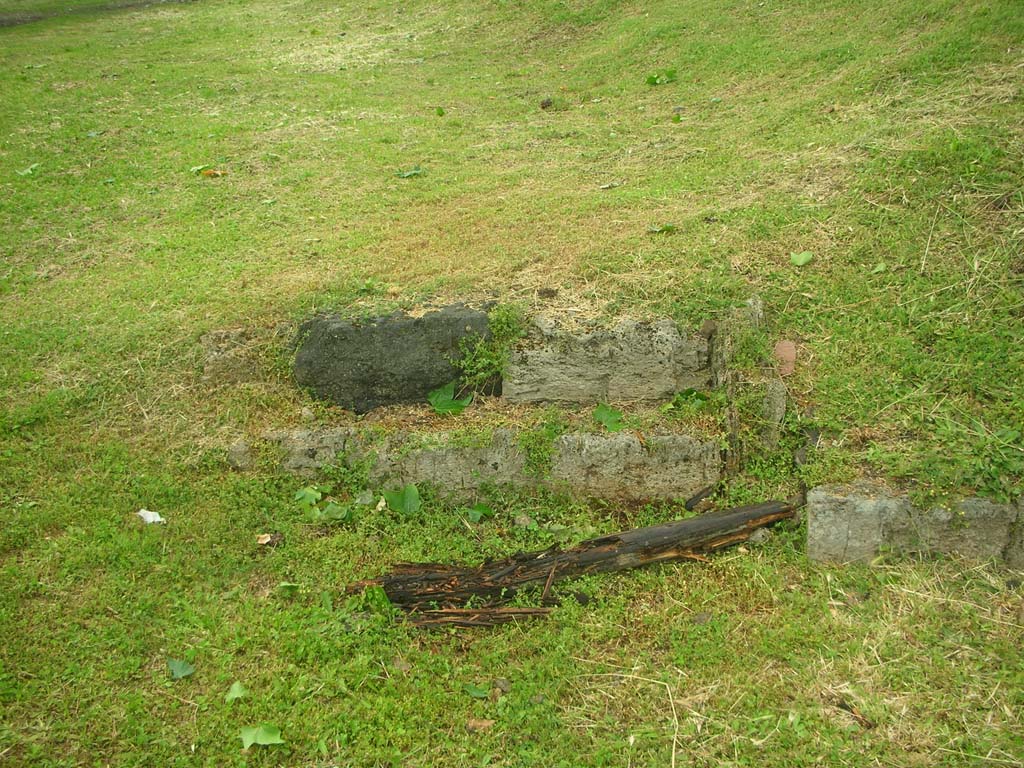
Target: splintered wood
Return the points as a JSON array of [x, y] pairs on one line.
[[436, 594]]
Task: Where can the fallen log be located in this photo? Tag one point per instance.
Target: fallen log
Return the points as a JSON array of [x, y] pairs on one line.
[[439, 592]]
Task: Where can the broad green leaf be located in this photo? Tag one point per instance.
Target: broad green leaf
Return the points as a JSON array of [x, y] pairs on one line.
[[662, 229], [179, 668], [479, 512], [375, 599], [801, 259], [879, 268], [406, 501], [236, 691], [440, 111], [261, 735], [443, 400], [609, 417], [332, 512], [288, 588], [414, 171], [476, 691], [308, 497], [661, 78]]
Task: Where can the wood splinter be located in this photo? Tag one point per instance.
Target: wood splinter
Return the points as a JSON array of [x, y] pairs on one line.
[[437, 594]]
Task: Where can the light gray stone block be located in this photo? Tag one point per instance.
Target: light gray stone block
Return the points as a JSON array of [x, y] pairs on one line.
[[847, 523], [631, 361], [619, 465]]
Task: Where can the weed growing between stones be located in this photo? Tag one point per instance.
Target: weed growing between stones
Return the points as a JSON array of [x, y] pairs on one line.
[[539, 443], [483, 360]]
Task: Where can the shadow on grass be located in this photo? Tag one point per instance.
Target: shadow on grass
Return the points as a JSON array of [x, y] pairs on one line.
[[17, 19]]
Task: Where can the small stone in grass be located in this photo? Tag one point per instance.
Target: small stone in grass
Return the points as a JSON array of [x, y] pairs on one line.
[[478, 725], [785, 356]]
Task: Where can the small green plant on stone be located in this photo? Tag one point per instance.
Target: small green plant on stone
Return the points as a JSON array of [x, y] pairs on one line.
[[750, 349], [693, 402], [538, 444], [483, 360]]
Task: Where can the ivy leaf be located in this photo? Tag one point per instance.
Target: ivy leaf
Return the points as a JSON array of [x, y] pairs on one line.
[[262, 735], [308, 497], [801, 259], [405, 501], [662, 229], [236, 691], [414, 171], [478, 512], [180, 668], [476, 691], [443, 400], [332, 513], [662, 78], [609, 417]]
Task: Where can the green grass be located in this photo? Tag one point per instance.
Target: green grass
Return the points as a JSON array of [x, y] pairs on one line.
[[868, 133]]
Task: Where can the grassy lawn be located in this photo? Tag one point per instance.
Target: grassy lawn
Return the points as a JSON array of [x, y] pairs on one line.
[[887, 139]]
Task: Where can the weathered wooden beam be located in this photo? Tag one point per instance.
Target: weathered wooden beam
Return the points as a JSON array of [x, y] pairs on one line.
[[438, 588]]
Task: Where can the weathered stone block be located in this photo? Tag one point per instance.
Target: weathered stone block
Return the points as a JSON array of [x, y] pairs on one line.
[[631, 361], [386, 360], [612, 466], [620, 465], [306, 450], [973, 528], [855, 522], [1014, 552], [845, 523], [450, 464]]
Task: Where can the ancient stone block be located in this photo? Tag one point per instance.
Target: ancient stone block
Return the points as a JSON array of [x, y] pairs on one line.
[[630, 361], [620, 465], [306, 450], [855, 522], [386, 360], [451, 464], [974, 528]]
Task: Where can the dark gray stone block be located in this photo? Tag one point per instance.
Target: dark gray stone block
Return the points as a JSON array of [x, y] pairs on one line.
[[383, 361]]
